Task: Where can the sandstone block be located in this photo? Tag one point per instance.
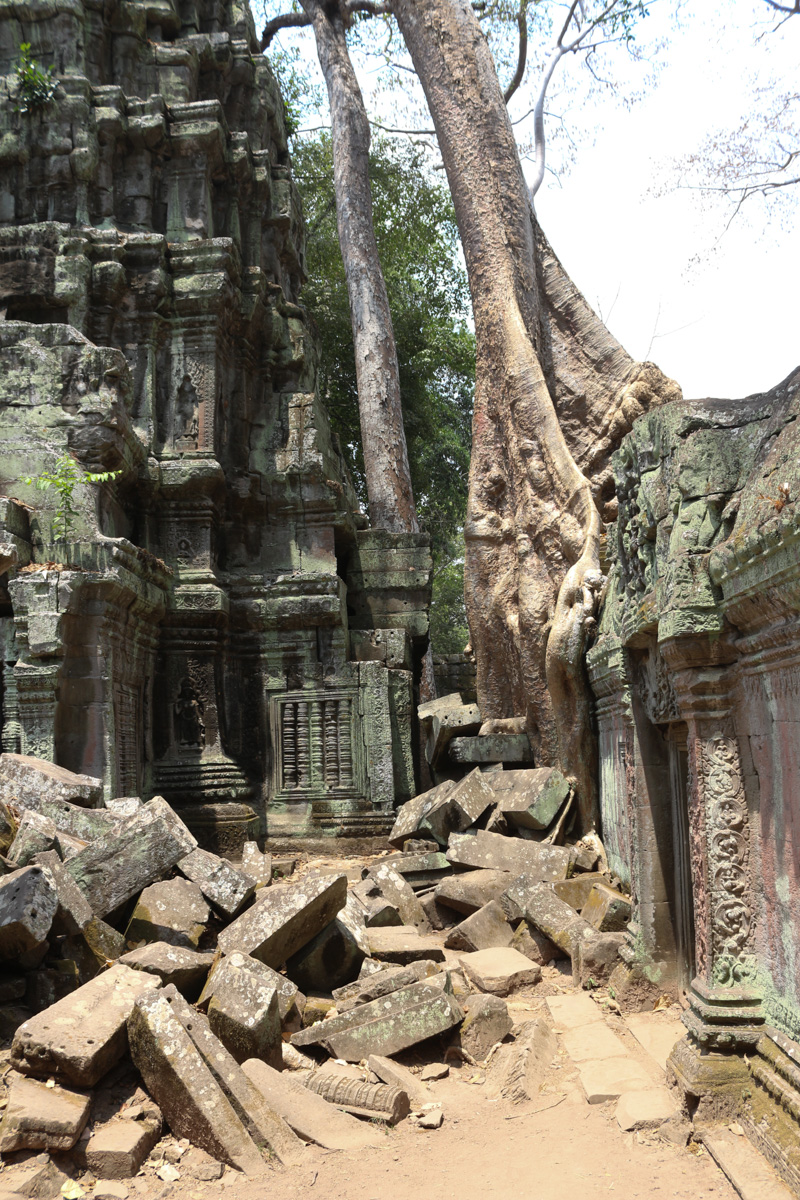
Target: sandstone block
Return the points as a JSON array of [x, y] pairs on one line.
[[411, 816], [421, 870], [186, 969], [117, 1149], [222, 885], [608, 1078], [594, 1041], [486, 1021], [82, 1036], [491, 748], [470, 890], [577, 889], [41, 1118], [500, 970], [534, 945], [492, 850], [647, 1109], [530, 799], [284, 919], [439, 915], [74, 910], [335, 955], [243, 1013], [400, 894], [481, 930], [540, 907], [394, 1073], [24, 780], [289, 996], [172, 911], [571, 1012], [402, 944], [257, 864], [606, 909], [308, 1114], [35, 834], [518, 1070], [382, 983], [28, 904], [596, 959]]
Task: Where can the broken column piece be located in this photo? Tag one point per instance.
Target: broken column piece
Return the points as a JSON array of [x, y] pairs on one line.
[[284, 919], [308, 1114], [373, 1100]]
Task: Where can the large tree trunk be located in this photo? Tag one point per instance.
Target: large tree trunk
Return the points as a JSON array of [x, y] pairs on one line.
[[391, 501], [534, 530]]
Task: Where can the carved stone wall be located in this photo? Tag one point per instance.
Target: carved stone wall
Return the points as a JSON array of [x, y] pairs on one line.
[[151, 257]]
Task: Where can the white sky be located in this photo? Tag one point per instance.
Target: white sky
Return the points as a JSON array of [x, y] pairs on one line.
[[717, 310]]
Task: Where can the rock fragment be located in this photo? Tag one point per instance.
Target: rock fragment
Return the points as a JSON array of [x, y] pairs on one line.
[[186, 969], [335, 955], [500, 971], [25, 780], [28, 904], [530, 799], [492, 850], [257, 864], [470, 890], [483, 929], [117, 1149], [243, 1012], [309, 1115], [486, 1022], [606, 909], [37, 1117], [173, 911], [284, 919], [222, 885], [35, 835]]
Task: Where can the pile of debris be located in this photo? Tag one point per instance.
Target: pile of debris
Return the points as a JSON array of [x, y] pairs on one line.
[[230, 987]]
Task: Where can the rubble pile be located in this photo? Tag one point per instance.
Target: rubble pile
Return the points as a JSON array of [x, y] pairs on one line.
[[148, 985]]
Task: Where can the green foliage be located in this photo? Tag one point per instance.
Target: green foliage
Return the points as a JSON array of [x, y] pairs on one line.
[[65, 478], [419, 250], [35, 86]]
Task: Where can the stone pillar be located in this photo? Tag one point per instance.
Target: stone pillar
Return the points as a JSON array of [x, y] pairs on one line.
[[725, 1018]]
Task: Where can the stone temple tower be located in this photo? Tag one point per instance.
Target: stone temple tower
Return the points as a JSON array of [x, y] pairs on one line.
[[217, 623]]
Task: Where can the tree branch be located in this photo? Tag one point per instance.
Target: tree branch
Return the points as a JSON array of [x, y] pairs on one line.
[[368, 6], [522, 22], [285, 21], [791, 9]]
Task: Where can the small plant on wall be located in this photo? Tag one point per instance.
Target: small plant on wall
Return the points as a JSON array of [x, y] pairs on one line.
[[64, 478], [36, 86]]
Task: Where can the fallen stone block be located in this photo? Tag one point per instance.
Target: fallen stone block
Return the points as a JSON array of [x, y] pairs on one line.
[[486, 1022], [380, 913], [222, 885], [540, 906], [577, 889], [38, 1117], [470, 890], [83, 1035], [402, 944], [530, 799], [8, 827], [105, 943], [519, 1069], [420, 870], [24, 780], [481, 930], [387, 1025], [439, 915], [396, 1075], [335, 955], [35, 834], [136, 853], [410, 815], [382, 983], [243, 1012], [606, 909], [608, 1078], [534, 945], [491, 748], [28, 904], [400, 895], [290, 999], [539, 862], [284, 919], [118, 1149], [458, 809], [595, 959], [656, 1033], [316, 1009], [186, 969], [375, 1101], [257, 864], [74, 911], [124, 806], [500, 971], [450, 719], [647, 1109], [67, 845], [172, 911], [177, 1077], [75, 826], [201, 1166], [40, 1179], [312, 1117]]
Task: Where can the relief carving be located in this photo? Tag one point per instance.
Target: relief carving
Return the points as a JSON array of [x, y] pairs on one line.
[[190, 730]]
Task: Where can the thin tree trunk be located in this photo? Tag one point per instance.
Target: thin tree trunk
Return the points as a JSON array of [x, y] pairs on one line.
[[391, 501]]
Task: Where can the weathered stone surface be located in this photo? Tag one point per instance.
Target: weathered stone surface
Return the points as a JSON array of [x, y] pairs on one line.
[[500, 970], [609, 1078], [83, 1035], [35, 835], [486, 1021], [421, 869], [657, 1033], [596, 958], [256, 864], [172, 911], [594, 1041], [445, 719], [37, 1117], [571, 1012], [289, 995], [387, 1025], [481, 930], [459, 808], [381, 983], [530, 799], [410, 816], [284, 919], [401, 895], [439, 915], [74, 911], [394, 1073], [117, 1149], [135, 853], [500, 853], [28, 904], [40, 1179], [576, 890], [335, 955], [177, 1077], [225, 887], [647, 1109], [25, 780], [75, 825], [518, 1070], [492, 748], [375, 1101], [534, 945], [243, 1012], [402, 944], [540, 906], [309, 1115], [470, 890], [186, 969], [606, 909]]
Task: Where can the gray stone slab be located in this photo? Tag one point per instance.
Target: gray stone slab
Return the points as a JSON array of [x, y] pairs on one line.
[[186, 969], [382, 983], [287, 991], [75, 824], [500, 970], [748, 1171], [410, 816], [38, 1117], [401, 944], [530, 799], [400, 894], [35, 835], [74, 910], [172, 910], [28, 904], [226, 888], [24, 779], [313, 1118], [243, 1012], [82, 1036], [486, 1022], [491, 748], [481, 930], [540, 906], [609, 1078], [257, 864], [492, 850], [646, 1109], [284, 919], [468, 891], [334, 957]]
